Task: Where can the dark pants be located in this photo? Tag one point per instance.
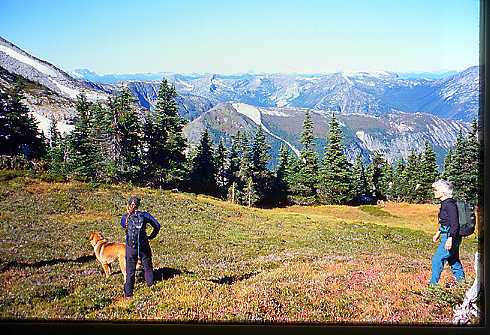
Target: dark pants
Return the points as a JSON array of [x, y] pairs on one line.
[[131, 260]]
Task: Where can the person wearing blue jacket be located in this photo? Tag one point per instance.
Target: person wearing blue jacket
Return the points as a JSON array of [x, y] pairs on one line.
[[137, 243], [448, 233]]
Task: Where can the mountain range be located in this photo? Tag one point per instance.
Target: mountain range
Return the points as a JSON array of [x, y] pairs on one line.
[[379, 111]]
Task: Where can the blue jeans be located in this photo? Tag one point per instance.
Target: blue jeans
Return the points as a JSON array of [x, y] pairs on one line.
[[452, 257], [131, 260]]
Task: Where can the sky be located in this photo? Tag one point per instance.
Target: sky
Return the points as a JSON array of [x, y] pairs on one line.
[[224, 36]]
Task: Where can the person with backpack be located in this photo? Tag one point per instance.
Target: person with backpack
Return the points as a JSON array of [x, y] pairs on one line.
[[448, 234], [137, 245]]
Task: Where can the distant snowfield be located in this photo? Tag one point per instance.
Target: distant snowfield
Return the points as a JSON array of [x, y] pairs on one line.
[[73, 93], [249, 111], [52, 75], [29, 61], [253, 113], [43, 123], [274, 113]]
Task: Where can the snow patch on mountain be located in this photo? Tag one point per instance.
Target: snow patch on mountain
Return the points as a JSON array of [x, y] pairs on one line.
[[73, 93], [401, 127], [274, 113], [27, 60], [254, 114], [43, 123], [249, 111]]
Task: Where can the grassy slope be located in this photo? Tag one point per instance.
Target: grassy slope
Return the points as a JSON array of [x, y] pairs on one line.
[[217, 261]]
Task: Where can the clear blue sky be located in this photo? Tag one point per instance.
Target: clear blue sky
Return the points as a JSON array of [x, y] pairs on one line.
[[230, 36]]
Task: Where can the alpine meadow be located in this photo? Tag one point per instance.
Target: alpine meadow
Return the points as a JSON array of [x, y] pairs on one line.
[[281, 190]]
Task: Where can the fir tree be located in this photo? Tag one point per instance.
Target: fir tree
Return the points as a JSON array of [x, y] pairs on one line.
[[399, 183], [280, 184], [54, 134], [464, 170], [386, 181], [475, 165], [262, 178], [308, 174], [447, 165], [293, 180], [250, 196], [359, 182], [427, 174], [81, 152], [19, 134], [221, 169], [232, 171], [374, 175], [100, 135], [164, 144], [411, 177], [335, 174], [203, 172], [260, 152], [131, 141], [56, 153]]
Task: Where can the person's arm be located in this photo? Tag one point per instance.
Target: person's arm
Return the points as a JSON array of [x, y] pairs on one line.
[[123, 221], [154, 223], [436, 236], [452, 217]]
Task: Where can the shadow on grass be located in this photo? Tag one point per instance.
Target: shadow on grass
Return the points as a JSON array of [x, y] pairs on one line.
[[162, 273], [21, 265], [230, 280]]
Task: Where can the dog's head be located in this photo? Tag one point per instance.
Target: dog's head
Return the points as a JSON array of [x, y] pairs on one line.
[[95, 237]]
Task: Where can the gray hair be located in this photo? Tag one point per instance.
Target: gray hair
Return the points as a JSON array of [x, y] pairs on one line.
[[444, 186]]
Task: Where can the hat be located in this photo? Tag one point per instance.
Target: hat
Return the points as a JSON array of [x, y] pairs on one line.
[[134, 200]]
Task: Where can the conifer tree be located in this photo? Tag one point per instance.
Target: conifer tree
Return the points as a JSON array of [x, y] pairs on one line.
[[250, 196], [386, 181], [56, 153], [221, 168], [375, 177], [246, 169], [411, 177], [335, 174], [399, 183], [359, 181], [447, 165], [427, 174], [19, 134], [262, 178], [130, 127], [100, 136], [308, 174], [475, 165], [280, 184], [54, 134], [233, 168], [464, 169], [203, 172], [260, 152], [164, 145], [293, 177], [81, 152]]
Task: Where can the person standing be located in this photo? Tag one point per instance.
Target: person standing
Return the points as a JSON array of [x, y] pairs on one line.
[[448, 233], [137, 245]]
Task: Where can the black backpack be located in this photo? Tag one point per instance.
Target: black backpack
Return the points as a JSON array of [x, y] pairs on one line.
[[467, 218]]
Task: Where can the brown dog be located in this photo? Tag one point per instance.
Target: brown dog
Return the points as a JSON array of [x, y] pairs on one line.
[[106, 253]]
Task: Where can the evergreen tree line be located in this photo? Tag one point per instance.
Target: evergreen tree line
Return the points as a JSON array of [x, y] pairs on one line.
[[240, 173], [113, 142]]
